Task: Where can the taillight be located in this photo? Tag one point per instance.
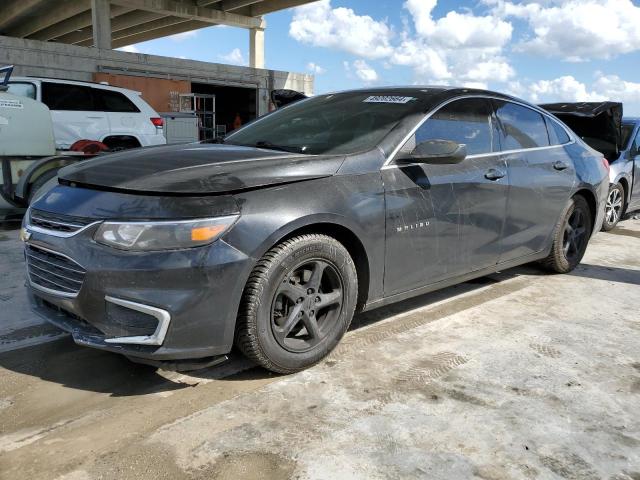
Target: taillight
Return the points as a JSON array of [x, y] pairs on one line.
[[157, 121], [605, 162]]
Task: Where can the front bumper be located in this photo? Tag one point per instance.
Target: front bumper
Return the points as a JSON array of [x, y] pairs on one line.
[[168, 305]]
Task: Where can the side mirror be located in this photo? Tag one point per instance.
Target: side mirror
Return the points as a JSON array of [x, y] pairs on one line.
[[437, 152]]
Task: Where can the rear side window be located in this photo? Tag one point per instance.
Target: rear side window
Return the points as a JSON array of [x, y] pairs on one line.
[[522, 127], [23, 89], [466, 121], [61, 96], [557, 134], [114, 101]]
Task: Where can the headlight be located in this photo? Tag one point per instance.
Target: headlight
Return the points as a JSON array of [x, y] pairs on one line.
[[171, 235]]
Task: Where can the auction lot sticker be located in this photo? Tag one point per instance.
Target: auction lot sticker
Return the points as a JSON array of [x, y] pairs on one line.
[[11, 104], [388, 99]]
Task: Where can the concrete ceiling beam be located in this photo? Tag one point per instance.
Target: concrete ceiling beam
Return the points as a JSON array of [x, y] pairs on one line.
[[192, 12]]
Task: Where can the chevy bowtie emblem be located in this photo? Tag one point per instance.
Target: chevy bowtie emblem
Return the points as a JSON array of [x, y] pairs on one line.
[[25, 234]]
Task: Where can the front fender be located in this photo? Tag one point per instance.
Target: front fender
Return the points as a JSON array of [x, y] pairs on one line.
[[354, 203]]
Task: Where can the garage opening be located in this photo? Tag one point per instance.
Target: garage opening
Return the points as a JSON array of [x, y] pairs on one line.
[[234, 106]]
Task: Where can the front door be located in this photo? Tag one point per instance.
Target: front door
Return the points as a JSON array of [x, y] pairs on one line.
[[446, 220]]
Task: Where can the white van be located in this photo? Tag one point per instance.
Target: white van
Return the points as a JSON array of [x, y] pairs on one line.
[[118, 117]]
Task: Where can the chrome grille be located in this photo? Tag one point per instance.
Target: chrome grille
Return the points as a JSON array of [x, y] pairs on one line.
[[53, 272], [57, 223]]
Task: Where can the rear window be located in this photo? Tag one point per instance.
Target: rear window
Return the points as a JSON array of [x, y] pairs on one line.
[[523, 127], [61, 96], [23, 89], [114, 101]]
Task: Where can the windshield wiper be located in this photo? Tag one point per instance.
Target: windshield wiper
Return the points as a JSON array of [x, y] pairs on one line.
[[281, 148]]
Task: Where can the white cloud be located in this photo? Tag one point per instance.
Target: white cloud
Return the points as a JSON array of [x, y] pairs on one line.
[[129, 48], [315, 68], [567, 88], [365, 72], [458, 30], [181, 37], [614, 88], [576, 30], [234, 57], [457, 48], [341, 28]]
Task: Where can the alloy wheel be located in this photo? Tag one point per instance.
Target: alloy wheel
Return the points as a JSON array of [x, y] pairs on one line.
[[614, 206], [575, 234], [307, 305]]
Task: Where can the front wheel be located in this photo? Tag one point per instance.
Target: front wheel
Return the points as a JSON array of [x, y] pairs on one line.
[[614, 207], [297, 304], [571, 237]]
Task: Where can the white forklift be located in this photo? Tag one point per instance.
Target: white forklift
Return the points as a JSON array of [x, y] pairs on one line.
[[28, 156]]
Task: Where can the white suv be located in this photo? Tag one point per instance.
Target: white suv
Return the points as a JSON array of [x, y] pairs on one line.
[[118, 117]]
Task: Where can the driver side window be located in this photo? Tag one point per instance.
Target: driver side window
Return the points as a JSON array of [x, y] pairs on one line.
[[466, 122]]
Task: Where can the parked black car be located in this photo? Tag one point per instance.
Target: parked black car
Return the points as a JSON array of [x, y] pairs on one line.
[[342, 202]]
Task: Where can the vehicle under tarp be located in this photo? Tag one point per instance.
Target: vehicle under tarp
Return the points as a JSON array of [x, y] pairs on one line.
[[599, 124]]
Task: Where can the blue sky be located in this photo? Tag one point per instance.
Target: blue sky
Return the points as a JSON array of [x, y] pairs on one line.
[[541, 50]]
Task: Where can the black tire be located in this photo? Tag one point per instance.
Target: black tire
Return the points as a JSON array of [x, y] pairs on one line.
[[287, 336], [571, 237], [615, 207], [40, 182]]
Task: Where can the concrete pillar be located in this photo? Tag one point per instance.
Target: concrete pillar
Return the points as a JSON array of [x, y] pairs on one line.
[[256, 47], [101, 20]]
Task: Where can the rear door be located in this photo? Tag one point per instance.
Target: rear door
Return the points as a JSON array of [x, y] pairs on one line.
[[124, 116], [446, 220], [75, 114], [541, 176]]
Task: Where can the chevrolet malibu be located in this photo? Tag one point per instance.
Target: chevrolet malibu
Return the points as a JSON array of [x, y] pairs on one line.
[[335, 204]]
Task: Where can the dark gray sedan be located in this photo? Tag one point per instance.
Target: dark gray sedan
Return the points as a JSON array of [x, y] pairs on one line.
[[272, 240]]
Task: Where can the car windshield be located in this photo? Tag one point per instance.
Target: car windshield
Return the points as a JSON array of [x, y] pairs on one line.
[[627, 130], [338, 124]]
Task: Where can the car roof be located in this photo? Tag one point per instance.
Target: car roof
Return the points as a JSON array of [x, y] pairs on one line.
[[73, 82], [442, 90], [631, 120]]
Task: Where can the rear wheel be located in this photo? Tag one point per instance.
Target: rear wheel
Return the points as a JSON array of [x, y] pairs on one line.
[[297, 304], [614, 207], [571, 237]]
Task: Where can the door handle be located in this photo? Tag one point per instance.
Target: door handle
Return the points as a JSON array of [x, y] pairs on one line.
[[559, 165], [494, 174]]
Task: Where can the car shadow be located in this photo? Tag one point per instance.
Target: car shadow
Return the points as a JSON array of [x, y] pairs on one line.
[[610, 274], [64, 363]]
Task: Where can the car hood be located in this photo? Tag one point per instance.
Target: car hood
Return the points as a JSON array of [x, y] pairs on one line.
[[197, 169], [598, 123]]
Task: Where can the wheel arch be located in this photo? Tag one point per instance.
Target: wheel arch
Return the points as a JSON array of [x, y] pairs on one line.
[[110, 140], [590, 197], [624, 181], [345, 234]]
